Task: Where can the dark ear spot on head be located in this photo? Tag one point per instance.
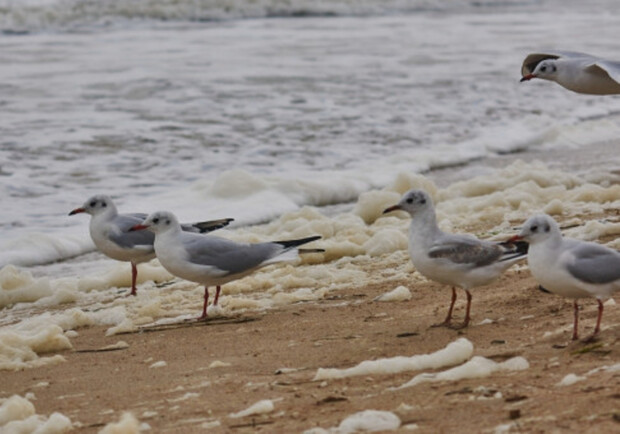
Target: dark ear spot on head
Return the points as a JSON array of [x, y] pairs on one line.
[[547, 228], [167, 222], [103, 204], [423, 200]]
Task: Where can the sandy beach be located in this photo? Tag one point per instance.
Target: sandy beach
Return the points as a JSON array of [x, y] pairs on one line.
[[195, 377]]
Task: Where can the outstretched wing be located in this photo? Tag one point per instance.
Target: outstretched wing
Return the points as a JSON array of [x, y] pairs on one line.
[[606, 68], [533, 59]]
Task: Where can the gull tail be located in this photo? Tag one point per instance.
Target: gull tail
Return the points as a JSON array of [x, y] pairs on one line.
[[514, 250], [290, 244], [207, 226]]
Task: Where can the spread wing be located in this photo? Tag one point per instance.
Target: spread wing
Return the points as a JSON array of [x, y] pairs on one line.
[[121, 235], [594, 263], [606, 68], [228, 256], [533, 59]]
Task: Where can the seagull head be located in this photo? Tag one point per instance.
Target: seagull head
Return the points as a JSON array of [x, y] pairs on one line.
[[547, 69], [537, 229], [158, 222], [413, 202], [95, 205]]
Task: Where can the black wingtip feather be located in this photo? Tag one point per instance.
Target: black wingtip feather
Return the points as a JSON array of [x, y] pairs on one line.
[[212, 225], [294, 243]]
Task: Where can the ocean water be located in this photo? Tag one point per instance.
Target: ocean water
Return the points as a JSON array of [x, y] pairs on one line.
[[253, 109]]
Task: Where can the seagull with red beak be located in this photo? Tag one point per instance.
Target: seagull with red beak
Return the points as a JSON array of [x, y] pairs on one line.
[[569, 267], [453, 259], [210, 260], [109, 231]]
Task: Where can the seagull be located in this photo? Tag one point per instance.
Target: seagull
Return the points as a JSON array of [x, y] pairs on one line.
[[110, 233], [453, 259], [569, 267], [211, 260], [579, 72]]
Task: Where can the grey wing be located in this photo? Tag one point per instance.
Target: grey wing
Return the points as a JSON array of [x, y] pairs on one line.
[[612, 69], [595, 264], [227, 255], [533, 59], [462, 250], [127, 239]]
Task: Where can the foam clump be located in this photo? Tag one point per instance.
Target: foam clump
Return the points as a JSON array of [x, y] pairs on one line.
[[18, 286], [261, 407], [128, 424], [369, 420], [454, 353], [477, 367], [18, 415], [20, 347], [400, 293]]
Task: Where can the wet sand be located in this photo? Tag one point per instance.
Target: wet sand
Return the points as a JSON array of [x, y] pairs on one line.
[[224, 366]]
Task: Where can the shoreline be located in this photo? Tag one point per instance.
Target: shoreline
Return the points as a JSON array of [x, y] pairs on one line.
[[284, 323]]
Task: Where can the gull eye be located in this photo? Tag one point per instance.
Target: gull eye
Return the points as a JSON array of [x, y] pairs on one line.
[[93, 204], [547, 228], [543, 69], [155, 220], [534, 228], [409, 200]]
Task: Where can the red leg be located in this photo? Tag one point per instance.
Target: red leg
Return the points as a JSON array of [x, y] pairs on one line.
[[134, 275], [467, 318], [600, 316], [205, 304], [217, 294], [466, 322], [446, 322], [576, 322]]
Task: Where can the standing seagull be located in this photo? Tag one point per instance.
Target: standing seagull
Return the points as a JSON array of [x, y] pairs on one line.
[[571, 268], [211, 260], [110, 233], [579, 72], [457, 260]]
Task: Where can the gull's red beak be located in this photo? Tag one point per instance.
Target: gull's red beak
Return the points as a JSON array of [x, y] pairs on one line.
[[514, 238], [138, 228], [527, 77], [77, 211], [392, 208]]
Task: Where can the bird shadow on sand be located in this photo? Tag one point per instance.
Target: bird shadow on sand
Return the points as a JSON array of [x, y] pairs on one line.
[[190, 323]]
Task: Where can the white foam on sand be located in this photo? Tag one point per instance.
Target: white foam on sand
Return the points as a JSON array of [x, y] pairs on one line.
[[363, 421], [400, 293], [477, 367], [355, 241], [128, 424], [453, 354], [18, 415], [260, 407]]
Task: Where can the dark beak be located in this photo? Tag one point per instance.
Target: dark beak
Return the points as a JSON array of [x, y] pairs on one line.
[[138, 228], [77, 211], [392, 208], [527, 77]]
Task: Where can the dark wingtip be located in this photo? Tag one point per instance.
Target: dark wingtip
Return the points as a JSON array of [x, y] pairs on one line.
[[543, 289], [212, 225], [294, 243]]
